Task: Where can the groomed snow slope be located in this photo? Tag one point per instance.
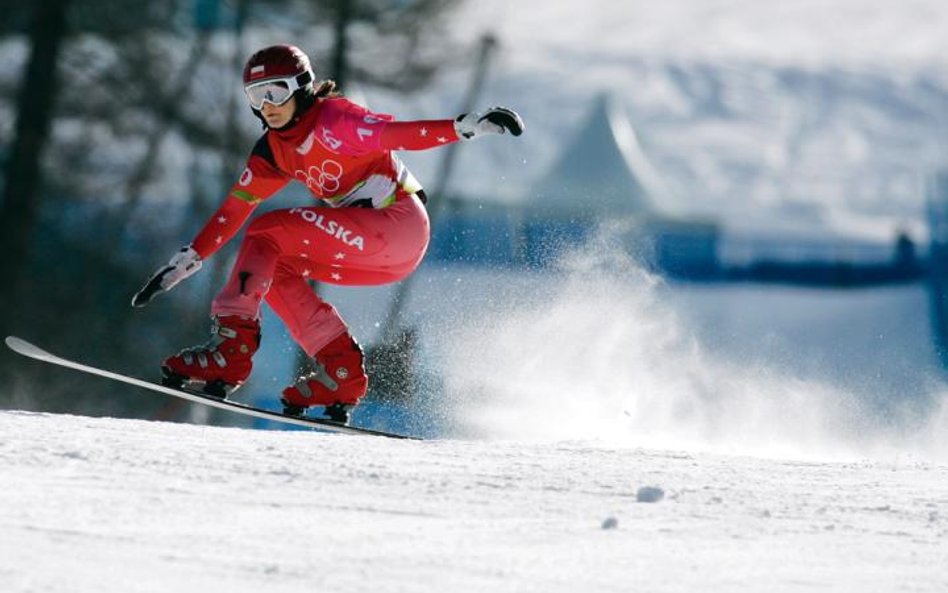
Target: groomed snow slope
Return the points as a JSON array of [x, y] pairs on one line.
[[118, 505]]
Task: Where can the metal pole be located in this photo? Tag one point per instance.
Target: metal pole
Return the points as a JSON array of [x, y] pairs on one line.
[[487, 44]]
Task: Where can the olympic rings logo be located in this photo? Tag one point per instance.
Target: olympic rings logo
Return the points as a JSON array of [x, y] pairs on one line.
[[326, 179]]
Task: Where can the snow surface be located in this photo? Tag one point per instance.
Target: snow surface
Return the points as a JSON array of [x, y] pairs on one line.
[[121, 505], [775, 461], [790, 440]]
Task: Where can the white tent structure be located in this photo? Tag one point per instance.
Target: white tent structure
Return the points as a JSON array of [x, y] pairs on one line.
[[602, 172], [604, 175]]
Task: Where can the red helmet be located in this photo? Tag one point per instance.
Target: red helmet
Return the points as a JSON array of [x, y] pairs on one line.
[[279, 61]]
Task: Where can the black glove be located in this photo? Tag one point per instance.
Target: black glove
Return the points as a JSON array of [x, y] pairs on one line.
[[496, 120], [183, 264]]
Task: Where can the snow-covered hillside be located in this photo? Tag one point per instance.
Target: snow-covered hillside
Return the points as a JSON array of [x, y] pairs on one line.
[[117, 505], [840, 33], [803, 117]]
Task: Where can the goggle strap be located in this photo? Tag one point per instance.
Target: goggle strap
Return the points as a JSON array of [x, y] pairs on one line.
[[304, 78]]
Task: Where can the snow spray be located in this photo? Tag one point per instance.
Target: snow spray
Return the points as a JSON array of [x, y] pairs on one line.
[[599, 353]]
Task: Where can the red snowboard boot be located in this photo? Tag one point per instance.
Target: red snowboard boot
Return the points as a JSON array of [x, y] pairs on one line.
[[222, 364], [338, 382]]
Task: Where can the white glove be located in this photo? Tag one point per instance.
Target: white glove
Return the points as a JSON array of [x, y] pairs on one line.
[[184, 263], [496, 120]]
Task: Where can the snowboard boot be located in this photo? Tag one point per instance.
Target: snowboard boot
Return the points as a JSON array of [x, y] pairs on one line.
[[338, 383], [220, 366]]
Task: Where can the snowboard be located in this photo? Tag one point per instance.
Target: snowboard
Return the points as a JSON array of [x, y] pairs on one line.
[[21, 346]]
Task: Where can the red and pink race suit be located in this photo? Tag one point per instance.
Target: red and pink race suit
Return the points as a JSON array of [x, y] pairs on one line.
[[375, 232]]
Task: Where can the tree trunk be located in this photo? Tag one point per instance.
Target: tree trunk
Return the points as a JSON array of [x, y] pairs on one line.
[[340, 51], [35, 105]]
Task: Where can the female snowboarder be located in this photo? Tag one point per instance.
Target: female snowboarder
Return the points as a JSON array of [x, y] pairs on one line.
[[374, 232]]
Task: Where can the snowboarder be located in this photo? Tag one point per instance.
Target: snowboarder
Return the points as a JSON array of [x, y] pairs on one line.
[[374, 232]]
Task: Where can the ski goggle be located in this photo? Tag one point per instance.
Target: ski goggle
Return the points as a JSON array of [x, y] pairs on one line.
[[275, 91]]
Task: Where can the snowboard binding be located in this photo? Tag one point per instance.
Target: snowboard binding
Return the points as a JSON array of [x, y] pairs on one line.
[[216, 388], [337, 412]]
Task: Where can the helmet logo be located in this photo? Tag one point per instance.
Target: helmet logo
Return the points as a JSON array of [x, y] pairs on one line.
[[278, 61]]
